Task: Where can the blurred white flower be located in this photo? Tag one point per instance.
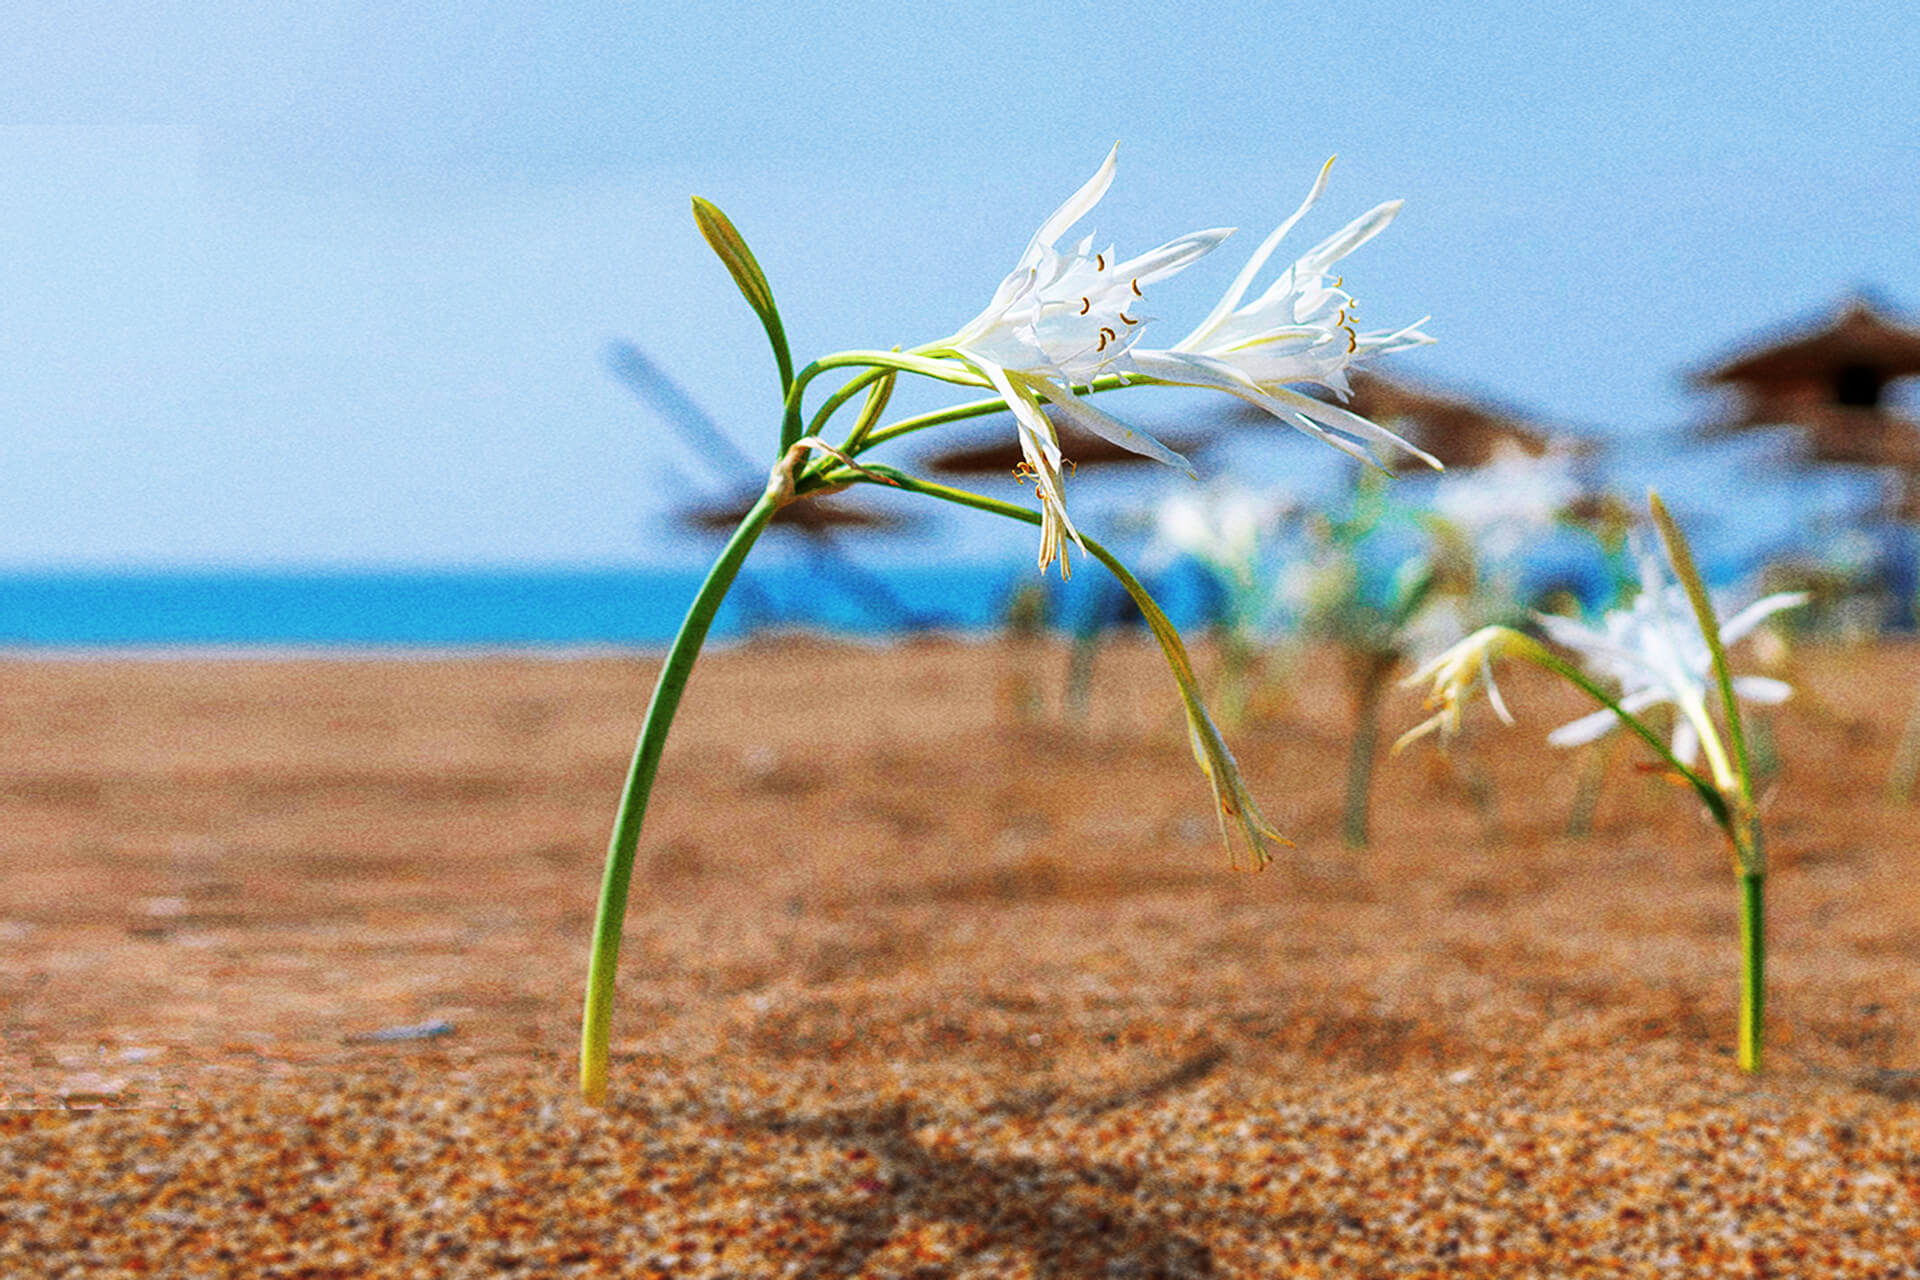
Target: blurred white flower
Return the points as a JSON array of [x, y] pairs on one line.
[[1224, 526], [1507, 502], [1654, 650], [1301, 330], [1455, 672], [1063, 316]]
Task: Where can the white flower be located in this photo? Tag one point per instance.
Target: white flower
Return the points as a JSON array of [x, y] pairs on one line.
[[1505, 503], [1301, 330], [1456, 671], [1222, 526], [1062, 317], [1656, 653]]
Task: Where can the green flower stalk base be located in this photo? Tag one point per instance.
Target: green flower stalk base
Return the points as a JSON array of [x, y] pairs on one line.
[[1369, 676], [612, 913], [1753, 969]]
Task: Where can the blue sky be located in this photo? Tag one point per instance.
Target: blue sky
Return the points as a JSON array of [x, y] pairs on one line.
[[332, 286]]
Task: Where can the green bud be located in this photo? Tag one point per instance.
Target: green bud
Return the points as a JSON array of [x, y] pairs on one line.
[[726, 241]]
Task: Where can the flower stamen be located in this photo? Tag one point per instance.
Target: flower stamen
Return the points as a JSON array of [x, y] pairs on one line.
[[1086, 304]]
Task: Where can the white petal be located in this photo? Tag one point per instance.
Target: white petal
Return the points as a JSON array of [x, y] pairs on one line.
[[1599, 723], [1037, 441], [1074, 209], [1587, 728], [1348, 238], [1088, 418], [1754, 614], [1762, 689], [1242, 282], [1174, 255], [1596, 646], [1686, 742], [1351, 423], [1191, 369]]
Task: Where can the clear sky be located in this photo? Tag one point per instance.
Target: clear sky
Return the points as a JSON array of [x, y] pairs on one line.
[[331, 283]]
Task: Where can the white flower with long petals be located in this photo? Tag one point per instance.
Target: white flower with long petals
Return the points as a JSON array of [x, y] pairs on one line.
[[1299, 331], [1508, 501], [1224, 526], [1064, 316], [1655, 652]]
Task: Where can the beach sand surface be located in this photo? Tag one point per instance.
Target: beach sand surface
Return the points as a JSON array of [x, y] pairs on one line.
[[925, 977]]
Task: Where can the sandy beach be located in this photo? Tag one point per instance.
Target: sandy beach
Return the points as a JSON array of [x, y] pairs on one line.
[[925, 978]]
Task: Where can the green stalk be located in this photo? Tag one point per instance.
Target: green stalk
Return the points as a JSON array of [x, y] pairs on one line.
[[972, 409], [596, 1022], [1753, 967], [1368, 677], [1906, 759], [792, 425], [1586, 796], [1743, 825]]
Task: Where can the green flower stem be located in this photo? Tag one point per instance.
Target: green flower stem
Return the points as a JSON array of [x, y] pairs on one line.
[[1906, 758], [792, 425], [972, 409], [1586, 796], [595, 1027], [1367, 677], [1753, 968]]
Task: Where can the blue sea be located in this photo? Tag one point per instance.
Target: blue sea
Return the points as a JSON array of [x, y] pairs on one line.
[[565, 609]]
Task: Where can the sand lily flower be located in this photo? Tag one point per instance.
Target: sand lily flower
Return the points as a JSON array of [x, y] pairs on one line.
[[1063, 316], [1664, 648], [1301, 330], [1224, 526], [1655, 651], [1455, 672], [1510, 500]]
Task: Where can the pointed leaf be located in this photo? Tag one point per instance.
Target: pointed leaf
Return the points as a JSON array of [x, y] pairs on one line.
[[1680, 556]]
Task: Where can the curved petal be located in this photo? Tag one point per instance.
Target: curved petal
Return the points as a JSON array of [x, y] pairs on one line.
[[1588, 728], [1762, 689], [1754, 614], [1348, 238], [1350, 422], [1242, 282], [1598, 724], [1175, 255], [1042, 452], [1090, 419], [1191, 369], [1075, 208]]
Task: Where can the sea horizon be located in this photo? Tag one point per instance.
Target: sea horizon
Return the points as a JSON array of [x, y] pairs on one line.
[[428, 611]]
